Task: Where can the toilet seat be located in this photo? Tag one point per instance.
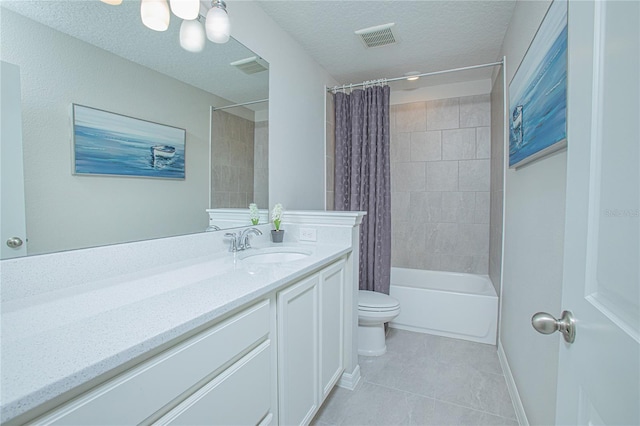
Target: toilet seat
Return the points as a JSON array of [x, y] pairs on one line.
[[369, 301]]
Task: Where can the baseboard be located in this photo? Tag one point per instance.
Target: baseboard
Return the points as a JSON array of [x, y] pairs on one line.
[[511, 386], [350, 380]]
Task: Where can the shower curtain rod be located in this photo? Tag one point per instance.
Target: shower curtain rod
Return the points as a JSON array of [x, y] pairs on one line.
[[238, 105], [350, 86]]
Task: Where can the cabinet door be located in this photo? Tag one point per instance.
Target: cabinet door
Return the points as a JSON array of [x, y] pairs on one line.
[[298, 352], [331, 326], [241, 395]]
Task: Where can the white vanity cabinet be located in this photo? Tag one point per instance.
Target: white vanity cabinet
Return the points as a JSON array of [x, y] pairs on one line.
[[219, 376], [234, 372], [310, 342]]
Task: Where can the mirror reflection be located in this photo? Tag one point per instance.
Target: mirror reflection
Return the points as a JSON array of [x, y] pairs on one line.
[[101, 56]]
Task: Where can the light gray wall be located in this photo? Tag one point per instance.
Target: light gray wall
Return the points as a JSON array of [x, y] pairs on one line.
[[296, 109], [533, 249], [440, 155], [497, 181], [66, 211]]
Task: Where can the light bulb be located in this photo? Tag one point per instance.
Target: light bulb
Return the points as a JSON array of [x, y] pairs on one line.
[[112, 2], [192, 36], [185, 9], [218, 26], [155, 14], [412, 75]]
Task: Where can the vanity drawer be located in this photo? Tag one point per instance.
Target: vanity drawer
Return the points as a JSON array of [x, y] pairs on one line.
[[241, 395], [135, 395]]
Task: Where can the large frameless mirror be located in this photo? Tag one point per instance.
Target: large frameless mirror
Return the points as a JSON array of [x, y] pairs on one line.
[[91, 54]]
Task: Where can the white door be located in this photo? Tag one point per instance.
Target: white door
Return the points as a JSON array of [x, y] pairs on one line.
[[598, 379], [13, 235]]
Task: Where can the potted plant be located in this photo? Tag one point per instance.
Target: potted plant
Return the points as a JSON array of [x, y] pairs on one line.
[[254, 214], [276, 217]]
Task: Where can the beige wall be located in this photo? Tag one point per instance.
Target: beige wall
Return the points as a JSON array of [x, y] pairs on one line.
[[232, 160], [440, 155]]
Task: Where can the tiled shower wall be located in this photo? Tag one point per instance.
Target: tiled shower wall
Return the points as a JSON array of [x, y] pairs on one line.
[[261, 165], [330, 152], [440, 178], [232, 152]]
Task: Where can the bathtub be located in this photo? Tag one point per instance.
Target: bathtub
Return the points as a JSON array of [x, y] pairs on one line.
[[450, 304]]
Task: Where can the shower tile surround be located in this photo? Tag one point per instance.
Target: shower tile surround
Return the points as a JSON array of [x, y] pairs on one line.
[[330, 147], [232, 161], [261, 165], [440, 184]]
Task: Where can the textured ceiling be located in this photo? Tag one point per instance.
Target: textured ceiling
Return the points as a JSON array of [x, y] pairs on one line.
[[434, 35], [118, 29]]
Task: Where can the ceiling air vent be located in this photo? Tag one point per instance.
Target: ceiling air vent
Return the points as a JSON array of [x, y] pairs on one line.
[[251, 65], [380, 35]]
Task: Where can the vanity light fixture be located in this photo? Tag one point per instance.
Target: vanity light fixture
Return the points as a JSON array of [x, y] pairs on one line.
[[192, 35], [155, 15], [217, 24]]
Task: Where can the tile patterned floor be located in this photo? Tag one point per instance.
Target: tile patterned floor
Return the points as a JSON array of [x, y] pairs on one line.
[[424, 380]]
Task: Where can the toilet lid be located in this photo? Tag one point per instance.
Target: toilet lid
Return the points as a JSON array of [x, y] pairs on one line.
[[370, 299]]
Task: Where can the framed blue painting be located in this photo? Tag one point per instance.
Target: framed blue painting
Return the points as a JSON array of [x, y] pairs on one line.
[[538, 92], [110, 144]]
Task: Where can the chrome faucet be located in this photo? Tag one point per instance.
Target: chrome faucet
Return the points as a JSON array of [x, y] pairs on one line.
[[233, 244], [244, 237], [240, 241]]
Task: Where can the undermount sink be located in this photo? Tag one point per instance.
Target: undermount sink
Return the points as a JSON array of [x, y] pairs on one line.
[[274, 255]]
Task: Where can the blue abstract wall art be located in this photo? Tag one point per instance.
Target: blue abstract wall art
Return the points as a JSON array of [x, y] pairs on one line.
[[538, 92], [106, 143]]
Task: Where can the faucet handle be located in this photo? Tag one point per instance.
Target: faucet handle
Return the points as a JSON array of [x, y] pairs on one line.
[[233, 244]]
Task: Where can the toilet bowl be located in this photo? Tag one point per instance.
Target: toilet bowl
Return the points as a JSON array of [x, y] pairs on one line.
[[374, 310]]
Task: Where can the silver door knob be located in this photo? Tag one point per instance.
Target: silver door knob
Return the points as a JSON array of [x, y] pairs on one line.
[[546, 324], [14, 242]]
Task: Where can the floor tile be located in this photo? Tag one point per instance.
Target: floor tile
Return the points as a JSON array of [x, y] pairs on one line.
[[334, 407], [379, 405], [424, 380]]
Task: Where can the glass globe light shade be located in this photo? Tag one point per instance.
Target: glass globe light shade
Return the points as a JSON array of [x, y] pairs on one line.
[[185, 9], [155, 14], [192, 36], [218, 25]]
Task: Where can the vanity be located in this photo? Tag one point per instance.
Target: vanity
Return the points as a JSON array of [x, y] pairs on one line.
[[255, 337]]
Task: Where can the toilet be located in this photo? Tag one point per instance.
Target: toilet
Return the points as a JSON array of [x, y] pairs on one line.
[[374, 310]]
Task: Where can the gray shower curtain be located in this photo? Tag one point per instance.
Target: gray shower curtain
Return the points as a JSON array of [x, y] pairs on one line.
[[362, 177]]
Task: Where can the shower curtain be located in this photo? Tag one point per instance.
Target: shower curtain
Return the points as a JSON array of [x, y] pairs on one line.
[[362, 177]]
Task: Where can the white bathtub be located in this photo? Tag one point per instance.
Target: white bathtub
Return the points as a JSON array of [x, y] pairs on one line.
[[450, 304]]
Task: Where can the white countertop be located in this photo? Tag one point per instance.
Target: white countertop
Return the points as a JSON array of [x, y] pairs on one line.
[[57, 341]]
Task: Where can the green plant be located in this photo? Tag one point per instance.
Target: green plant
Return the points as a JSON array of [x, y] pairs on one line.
[[254, 214], [276, 216]]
